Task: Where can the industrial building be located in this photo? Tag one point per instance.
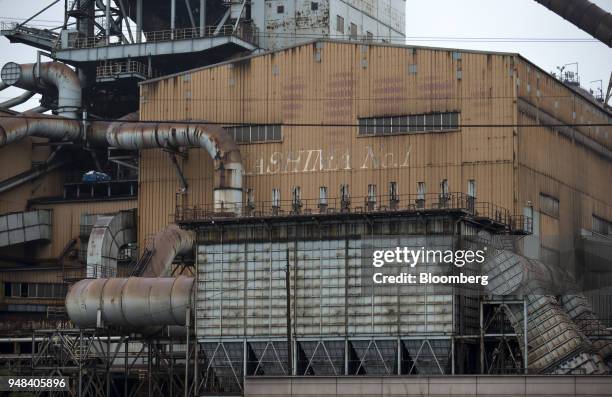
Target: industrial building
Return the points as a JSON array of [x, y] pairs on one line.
[[198, 212]]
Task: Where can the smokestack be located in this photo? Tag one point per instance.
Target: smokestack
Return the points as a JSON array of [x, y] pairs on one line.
[[585, 15]]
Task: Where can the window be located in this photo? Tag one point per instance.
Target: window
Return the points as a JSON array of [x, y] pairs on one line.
[[255, 133], [323, 195], [35, 290], [433, 122], [339, 24], [371, 193], [421, 190], [276, 198], [280, 9], [314, 6], [471, 190], [549, 205], [250, 198], [393, 190], [413, 68], [353, 31], [444, 187], [601, 226]]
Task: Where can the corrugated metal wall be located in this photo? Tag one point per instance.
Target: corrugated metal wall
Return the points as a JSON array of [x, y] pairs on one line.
[[337, 83], [552, 164]]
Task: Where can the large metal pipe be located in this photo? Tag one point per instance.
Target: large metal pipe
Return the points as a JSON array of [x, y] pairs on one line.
[[164, 247], [131, 303], [127, 134], [584, 14], [17, 100], [35, 124], [50, 76]]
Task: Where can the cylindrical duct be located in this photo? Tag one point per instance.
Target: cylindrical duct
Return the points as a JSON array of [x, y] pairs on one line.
[[17, 100], [34, 124], [165, 246], [127, 134], [49, 77], [584, 14], [131, 303]]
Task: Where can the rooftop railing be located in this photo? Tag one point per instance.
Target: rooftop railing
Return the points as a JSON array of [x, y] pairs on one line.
[[243, 31], [483, 212]]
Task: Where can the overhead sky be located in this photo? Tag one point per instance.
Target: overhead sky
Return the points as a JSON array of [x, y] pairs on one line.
[[522, 26]]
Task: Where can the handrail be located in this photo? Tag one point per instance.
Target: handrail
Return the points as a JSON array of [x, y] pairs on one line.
[[246, 32], [434, 202]]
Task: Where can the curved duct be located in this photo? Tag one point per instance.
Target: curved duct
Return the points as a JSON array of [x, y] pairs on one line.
[[127, 134], [17, 100], [580, 311], [3, 85], [556, 343], [50, 76], [38, 109], [108, 235], [585, 15], [34, 124], [130, 302], [164, 247]]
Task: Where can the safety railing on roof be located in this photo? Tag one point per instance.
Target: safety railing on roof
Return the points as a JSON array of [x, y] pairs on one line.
[[243, 31], [435, 202]]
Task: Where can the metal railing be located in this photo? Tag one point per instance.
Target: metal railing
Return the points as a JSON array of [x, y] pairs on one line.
[[434, 202], [115, 69], [246, 32]]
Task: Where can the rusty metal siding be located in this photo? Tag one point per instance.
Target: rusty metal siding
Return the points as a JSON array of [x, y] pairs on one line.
[[67, 221], [19, 157], [336, 83]]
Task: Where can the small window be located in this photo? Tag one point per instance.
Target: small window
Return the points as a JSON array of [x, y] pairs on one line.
[[314, 6], [549, 205], [24, 290], [412, 69], [471, 188], [601, 226], [323, 195], [353, 31], [393, 190], [421, 190], [250, 197], [371, 193], [280, 9], [7, 289], [444, 187], [276, 198], [339, 24]]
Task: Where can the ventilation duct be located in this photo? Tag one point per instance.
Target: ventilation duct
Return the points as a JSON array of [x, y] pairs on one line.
[[49, 77], [164, 247], [557, 345], [109, 234], [34, 124], [127, 134], [130, 302], [17, 100], [585, 15]]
